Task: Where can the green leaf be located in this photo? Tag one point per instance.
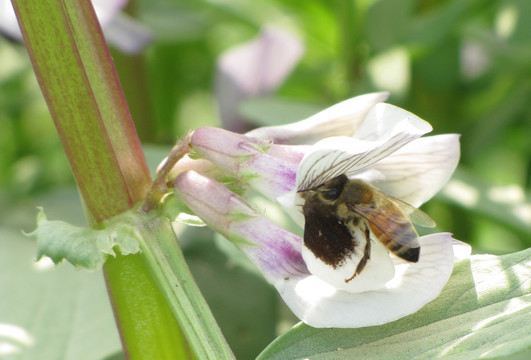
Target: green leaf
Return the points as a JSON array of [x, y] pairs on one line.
[[435, 25], [49, 312], [131, 232], [483, 312], [386, 22], [80, 246]]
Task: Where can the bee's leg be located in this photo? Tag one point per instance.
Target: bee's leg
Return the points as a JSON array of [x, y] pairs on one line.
[[366, 254]]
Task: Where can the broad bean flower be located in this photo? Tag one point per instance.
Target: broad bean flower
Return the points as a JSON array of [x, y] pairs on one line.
[[363, 139]]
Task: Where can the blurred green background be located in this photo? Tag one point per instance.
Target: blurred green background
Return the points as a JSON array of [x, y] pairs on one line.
[[462, 65]]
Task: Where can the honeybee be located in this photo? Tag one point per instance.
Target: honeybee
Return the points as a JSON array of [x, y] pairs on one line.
[[340, 211]]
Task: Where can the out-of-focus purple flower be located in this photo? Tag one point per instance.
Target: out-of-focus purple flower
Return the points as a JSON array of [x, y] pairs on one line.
[[120, 30], [253, 69], [382, 147]]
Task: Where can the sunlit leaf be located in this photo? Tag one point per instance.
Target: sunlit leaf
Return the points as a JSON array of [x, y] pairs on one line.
[[483, 312], [82, 247], [48, 312]]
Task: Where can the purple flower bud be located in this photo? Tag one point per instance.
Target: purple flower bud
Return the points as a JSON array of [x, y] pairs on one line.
[[273, 249], [268, 167]]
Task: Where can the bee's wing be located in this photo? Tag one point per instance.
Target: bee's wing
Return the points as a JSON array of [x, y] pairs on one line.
[[414, 215], [392, 228]]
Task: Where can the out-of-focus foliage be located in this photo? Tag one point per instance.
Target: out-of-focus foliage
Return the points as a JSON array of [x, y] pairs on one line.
[[463, 65]]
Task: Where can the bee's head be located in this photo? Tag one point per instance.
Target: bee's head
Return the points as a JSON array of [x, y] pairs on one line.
[[332, 189]]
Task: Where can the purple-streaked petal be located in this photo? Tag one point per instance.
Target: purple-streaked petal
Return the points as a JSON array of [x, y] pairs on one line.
[[226, 149], [211, 201], [268, 168], [274, 172], [417, 171], [274, 250], [415, 284], [393, 128], [252, 69], [342, 119]]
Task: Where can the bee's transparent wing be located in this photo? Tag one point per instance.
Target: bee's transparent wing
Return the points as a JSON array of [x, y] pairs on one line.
[[413, 214], [416, 216], [392, 228], [387, 128], [322, 165]]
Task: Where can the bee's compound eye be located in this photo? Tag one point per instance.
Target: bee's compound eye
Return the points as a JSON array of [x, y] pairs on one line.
[[331, 190], [330, 194]]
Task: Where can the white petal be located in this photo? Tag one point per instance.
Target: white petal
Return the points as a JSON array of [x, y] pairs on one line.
[[461, 250], [342, 119], [106, 10], [382, 120], [8, 20], [274, 250], [343, 155], [417, 171], [378, 271], [321, 305], [127, 34]]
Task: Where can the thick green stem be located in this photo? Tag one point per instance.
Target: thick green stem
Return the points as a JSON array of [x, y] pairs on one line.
[[80, 85], [173, 276], [150, 312]]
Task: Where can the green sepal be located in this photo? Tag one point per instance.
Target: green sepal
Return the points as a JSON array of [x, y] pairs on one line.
[[83, 247], [172, 205]]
